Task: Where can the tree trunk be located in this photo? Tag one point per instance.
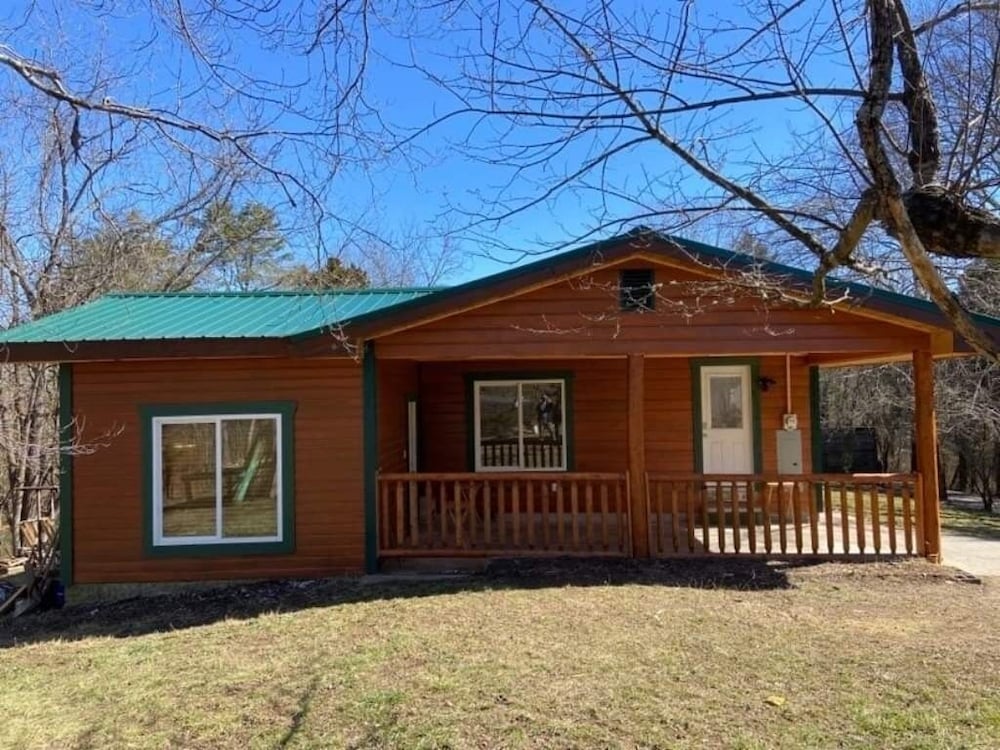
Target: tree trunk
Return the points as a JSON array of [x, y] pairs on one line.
[[942, 478], [948, 226], [960, 481]]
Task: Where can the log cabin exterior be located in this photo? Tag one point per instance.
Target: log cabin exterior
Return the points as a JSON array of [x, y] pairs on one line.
[[642, 396]]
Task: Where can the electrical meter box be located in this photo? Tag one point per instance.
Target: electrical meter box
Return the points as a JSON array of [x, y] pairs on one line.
[[789, 451]]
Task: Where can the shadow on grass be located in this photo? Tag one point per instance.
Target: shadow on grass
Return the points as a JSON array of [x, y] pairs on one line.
[[163, 612], [305, 703], [971, 522]]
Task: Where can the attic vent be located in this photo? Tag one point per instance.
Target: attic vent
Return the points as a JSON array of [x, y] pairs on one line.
[[636, 290]]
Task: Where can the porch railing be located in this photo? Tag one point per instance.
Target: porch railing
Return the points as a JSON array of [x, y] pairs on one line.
[[538, 453], [808, 514], [503, 514]]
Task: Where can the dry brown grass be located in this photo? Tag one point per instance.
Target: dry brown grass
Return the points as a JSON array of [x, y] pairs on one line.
[[742, 655]]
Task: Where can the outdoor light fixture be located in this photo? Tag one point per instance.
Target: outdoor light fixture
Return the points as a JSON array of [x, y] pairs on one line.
[[766, 383]]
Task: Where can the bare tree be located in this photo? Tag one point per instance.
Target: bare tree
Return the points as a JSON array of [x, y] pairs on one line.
[[276, 91], [673, 114]]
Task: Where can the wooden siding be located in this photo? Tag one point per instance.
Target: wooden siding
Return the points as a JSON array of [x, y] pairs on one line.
[[397, 380], [600, 411], [580, 317], [108, 486]]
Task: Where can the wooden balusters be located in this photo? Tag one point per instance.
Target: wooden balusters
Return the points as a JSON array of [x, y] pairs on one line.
[[690, 518], [908, 525], [502, 514], [782, 518], [675, 521], [828, 513], [766, 493], [876, 528], [751, 490], [891, 517], [859, 516], [812, 505], [845, 520], [512, 513], [818, 514]]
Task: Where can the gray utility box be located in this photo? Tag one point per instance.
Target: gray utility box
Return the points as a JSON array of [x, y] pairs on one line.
[[789, 451]]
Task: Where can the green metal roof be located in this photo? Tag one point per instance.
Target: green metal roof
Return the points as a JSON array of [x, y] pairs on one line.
[[300, 315], [194, 315]]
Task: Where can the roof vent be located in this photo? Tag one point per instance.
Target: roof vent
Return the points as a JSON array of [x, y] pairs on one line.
[[636, 290]]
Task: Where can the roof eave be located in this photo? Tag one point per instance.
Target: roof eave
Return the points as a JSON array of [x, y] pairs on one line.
[[103, 351], [906, 311]]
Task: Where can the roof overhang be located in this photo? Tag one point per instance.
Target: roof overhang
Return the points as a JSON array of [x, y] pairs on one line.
[[343, 339], [643, 245]]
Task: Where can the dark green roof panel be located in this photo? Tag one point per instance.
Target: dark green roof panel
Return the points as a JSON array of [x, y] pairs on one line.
[[137, 317]]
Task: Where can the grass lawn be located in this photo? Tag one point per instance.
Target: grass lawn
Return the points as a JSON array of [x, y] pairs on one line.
[[542, 655], [969, 521]]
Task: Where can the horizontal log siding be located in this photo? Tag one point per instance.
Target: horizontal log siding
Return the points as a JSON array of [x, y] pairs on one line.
[[669, 445], [772, 407], [580, 317], [108, 492], [396, 381], [599, 411], [669, 419]]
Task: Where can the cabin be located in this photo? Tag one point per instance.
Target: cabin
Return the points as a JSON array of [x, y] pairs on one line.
[[644, 396]]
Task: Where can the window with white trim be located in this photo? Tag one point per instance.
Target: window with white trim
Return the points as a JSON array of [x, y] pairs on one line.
[[217, 479], [519, 425]]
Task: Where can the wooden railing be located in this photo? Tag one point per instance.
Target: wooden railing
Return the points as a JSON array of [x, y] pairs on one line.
[[503, 514], [539, 453], [808, 514]]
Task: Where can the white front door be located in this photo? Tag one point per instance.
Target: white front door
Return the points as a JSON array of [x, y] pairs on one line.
[[726, 420]]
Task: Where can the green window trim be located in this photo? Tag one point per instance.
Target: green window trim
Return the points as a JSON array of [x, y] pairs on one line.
[[758, 445], [472, 378], [285, 410]]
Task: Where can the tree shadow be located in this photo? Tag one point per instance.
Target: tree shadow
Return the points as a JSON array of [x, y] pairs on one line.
[[162, 612], [978, 523], [305, 703]]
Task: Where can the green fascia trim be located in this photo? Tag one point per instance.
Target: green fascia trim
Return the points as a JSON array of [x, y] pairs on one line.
[[286, 409], [470, 408], [66, 474], [370, 430], [758, 444]]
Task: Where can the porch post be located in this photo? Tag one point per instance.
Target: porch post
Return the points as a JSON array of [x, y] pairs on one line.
[[926, 439], [637, 455]]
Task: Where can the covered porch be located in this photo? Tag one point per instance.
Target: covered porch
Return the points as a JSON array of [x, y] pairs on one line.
[[627, 468]]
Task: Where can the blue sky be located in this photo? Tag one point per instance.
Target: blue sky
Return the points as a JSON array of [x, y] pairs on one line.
[[432, 185]]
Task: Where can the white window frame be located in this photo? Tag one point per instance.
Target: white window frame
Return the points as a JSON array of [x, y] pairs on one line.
[[159, 540], [477, 386]]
